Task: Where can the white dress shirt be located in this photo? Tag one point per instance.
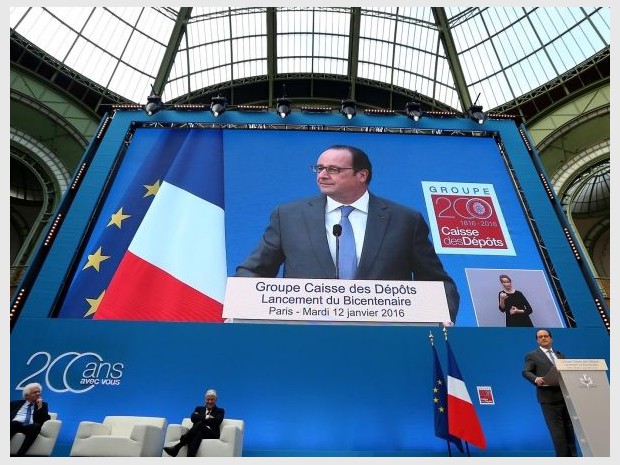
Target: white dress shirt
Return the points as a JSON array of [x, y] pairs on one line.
[[21, 414], [357, 217]]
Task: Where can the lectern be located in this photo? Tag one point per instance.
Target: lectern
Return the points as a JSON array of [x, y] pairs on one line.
[[335, 301], [585, 388]]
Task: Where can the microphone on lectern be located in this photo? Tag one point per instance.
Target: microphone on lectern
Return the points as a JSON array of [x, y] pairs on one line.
[[337, 231]]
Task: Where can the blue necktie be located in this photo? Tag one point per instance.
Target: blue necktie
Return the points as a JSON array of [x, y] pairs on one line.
[[28, 414], [347, 260]]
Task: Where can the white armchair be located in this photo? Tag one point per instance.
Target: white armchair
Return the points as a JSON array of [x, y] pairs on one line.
[[120, 436], [230, 443], [44, 444]]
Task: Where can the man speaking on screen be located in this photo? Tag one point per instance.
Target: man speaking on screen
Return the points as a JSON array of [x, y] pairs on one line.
[[310, 237]]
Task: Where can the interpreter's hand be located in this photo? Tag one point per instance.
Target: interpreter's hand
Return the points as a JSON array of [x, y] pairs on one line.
[[539, 381]]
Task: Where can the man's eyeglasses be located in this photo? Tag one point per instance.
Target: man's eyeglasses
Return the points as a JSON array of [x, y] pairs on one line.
[[329, 169]]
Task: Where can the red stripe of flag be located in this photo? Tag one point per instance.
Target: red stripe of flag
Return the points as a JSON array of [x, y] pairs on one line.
[[464, 423], [164, 299]]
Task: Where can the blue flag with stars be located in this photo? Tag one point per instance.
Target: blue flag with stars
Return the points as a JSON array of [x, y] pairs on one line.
[[440, 403]]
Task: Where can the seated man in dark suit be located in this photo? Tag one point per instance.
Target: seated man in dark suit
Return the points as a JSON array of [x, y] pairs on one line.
[[391, 240], [206, 421], [28, 416]]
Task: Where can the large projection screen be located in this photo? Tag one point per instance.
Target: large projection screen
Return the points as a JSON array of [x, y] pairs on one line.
[[222, 183]]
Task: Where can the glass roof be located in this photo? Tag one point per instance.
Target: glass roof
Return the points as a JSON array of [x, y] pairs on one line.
[[454, 55]]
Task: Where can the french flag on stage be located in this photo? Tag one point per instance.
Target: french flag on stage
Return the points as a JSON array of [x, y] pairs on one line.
[[463, 420], [440, 405], [158, 250]]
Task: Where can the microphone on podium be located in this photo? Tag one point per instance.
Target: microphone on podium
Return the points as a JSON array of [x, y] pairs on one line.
[[337, 231]]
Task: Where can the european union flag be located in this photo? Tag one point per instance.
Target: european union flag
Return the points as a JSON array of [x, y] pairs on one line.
[[440, 403]]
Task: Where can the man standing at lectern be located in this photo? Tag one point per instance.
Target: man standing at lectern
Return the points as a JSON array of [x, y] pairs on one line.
[[389, 241], [537, 365]]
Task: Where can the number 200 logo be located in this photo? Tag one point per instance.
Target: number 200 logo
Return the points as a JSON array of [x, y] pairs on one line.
[[73, 371], [468, 208]]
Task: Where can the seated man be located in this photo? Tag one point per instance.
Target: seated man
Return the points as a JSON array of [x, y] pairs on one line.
[[206, 421], [28, 416]]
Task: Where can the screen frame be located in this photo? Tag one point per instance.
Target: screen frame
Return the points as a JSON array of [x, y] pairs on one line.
[[55, 260]]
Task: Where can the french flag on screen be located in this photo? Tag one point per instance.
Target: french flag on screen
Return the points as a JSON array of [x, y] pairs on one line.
[[462, 417], [158, 251], [175, 266]]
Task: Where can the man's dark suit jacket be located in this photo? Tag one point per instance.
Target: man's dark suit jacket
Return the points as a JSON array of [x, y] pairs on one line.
[[396, 246], [538, 364], [40, 415], [212, 423]]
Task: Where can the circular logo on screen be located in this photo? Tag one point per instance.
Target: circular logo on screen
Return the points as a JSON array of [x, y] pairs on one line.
[[479, 208]]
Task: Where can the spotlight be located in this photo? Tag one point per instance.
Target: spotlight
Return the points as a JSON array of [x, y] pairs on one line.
[[476, 113], [348, 108], [414, 110], [283, 107], [153, 104], [218, 105], [283, 104]]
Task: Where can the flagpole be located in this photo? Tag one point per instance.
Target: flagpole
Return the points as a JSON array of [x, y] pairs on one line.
[[445, 335], [431, 338]]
